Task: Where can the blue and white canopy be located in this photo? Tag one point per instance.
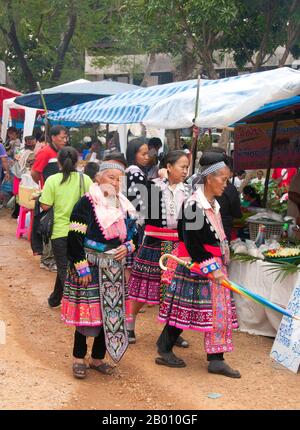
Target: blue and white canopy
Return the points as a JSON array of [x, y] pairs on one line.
[[221, 102], [73, 93]]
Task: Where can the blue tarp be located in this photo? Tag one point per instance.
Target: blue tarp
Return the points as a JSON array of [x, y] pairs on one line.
[[269, 108]]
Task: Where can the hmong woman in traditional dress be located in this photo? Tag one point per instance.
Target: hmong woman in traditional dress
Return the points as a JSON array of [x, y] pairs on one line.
[[195, 302], [137, 159], [94, 297], [165, 198], [136, 175]]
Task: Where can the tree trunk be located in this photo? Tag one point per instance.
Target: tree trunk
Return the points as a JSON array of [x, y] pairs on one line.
[[262, 52], [10, 82], [224, 139], [284, 56], [208, 64], [171, 139], [66, 38], [146, 79], [177, 139], [186, 68], [13, 37]]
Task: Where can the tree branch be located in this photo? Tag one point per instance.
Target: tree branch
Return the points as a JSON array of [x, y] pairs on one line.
[[293, 33], [248, 55], [37, 34], [65, 40]]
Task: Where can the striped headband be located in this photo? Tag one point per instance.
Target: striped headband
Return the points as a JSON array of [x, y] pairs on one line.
[[109, 165], [213, 168]]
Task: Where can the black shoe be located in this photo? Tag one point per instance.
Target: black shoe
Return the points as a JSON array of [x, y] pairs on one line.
[[219, 367], [131, 336], [181, 343], [54, 303], [169, 359]]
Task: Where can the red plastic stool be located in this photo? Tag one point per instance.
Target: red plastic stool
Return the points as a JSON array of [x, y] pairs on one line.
[[21, 228]]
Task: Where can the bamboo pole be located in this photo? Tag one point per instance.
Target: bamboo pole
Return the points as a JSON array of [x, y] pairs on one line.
[[195, 129], [46, 111]]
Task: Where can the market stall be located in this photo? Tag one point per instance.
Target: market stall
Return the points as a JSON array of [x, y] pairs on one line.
[[253, 318]]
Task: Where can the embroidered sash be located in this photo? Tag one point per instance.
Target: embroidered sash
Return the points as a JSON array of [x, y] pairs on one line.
[[112, 302]]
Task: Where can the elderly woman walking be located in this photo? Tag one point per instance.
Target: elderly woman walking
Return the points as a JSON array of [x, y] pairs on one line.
[[94, 296], [200, 302]]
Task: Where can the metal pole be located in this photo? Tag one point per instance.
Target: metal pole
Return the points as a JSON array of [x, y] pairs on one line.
[[273, 138]]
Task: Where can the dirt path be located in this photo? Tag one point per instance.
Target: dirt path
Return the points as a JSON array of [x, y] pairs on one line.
[[35, 362]]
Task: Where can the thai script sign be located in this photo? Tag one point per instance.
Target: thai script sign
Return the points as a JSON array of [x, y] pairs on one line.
[[286, 347], [253, 144]]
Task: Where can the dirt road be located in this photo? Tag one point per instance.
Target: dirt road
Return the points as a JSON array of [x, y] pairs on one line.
[[35, 362]]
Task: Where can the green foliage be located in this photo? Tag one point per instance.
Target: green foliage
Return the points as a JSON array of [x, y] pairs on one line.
[[281, 269], [40, 28], [257, 35], [274, 196], [190, 30], [204, 143]]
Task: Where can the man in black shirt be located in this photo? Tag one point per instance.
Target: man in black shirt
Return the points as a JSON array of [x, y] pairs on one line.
[[230, 205]]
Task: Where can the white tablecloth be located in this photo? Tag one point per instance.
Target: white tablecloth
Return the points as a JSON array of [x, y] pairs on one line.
[[254, 318]]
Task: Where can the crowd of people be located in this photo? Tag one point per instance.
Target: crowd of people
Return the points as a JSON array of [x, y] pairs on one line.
[[108, 227]]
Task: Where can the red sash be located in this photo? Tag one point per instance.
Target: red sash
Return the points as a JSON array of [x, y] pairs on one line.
[[161, 233], [214, 250]]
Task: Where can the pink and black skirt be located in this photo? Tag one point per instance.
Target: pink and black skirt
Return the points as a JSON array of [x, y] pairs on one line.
[[145, 283], [193, 302]]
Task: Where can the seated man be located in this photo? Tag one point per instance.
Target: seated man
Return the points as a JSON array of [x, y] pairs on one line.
[[259, 178]]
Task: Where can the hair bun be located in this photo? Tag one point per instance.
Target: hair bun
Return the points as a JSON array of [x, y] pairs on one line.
[[210, 157]]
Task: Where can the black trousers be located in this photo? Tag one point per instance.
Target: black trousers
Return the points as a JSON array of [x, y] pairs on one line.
[[59, 247], [80, 346], [167, 340]]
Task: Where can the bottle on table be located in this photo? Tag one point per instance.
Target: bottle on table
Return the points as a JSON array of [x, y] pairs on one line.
[[285, 234], [260, 238]]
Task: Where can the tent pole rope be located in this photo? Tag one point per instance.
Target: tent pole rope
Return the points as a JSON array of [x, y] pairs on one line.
[[273, 138]]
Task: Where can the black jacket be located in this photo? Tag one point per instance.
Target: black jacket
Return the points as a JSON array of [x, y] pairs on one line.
[[230, 208]]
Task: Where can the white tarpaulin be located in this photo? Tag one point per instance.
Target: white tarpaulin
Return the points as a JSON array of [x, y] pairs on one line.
[[29, 120], [222, 102]]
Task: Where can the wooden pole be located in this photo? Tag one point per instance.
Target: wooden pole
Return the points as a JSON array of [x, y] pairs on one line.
[[46, 112], [273, 138], [195, 129], [107, 132]]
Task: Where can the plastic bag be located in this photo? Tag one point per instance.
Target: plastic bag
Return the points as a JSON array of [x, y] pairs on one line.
[[27, 181]]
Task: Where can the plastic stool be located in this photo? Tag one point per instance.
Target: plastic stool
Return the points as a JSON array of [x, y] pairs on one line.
[[21, 228]]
